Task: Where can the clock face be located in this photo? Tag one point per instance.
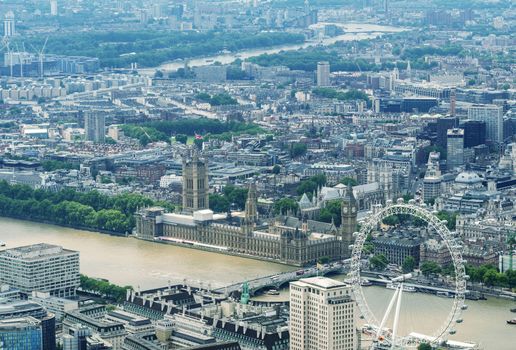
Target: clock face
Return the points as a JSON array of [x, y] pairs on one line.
[[353, 209], [345, 210]]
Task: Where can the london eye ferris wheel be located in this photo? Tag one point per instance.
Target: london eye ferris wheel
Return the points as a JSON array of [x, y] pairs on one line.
[[392, 338]]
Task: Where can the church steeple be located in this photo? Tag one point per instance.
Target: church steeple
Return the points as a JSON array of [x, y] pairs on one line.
[[349, 220]]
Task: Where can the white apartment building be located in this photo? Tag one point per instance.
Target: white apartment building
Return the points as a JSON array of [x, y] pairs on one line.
[[322, 315], [41, 267]]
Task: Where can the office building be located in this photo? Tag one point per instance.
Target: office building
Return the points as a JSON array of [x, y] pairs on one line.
[[474, 133], [432, 180], [212, 74], [323, 74], [58, 306], [41, 267], [443, 125], [7, 292], [397, 249], [53, 8], [18, 309], [322, 315], [9, 29], [195, 183], [95, 126], [20, 334], [493, 117], [455, 148], [93, 317], [76, 338], [507, 262], [453, 103]]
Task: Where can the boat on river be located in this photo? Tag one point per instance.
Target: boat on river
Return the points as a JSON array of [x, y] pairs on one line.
[[444, 294], [2, 244], [408, 289], [272, 292], [513, 309], [513, 321]]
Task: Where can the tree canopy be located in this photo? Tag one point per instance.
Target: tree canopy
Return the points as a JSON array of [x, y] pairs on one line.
[[67, 207]]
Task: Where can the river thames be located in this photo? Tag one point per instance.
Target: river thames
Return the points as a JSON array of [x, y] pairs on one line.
[[128, 261], [353, 31]]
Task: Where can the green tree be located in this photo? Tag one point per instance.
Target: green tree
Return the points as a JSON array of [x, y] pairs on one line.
[[276, 169], [219, 203], [285, 205], [144, 140], [198, 143], [331, 211], [429, 268], [323, 260], [378, 262], [392, 220], [236, 195], [182, 138], [424, 346], [490, 278], [348, 180], [408, 264], [298, 149], [450, 217]]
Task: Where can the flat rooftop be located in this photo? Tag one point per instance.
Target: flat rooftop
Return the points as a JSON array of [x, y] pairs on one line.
[[36, 251], [321, 282]]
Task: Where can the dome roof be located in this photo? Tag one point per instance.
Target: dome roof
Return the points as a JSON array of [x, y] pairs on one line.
[[468, 177]]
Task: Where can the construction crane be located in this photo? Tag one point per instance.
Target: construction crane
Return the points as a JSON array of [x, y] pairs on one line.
[[21, 58], [6, 45], [41, 56]]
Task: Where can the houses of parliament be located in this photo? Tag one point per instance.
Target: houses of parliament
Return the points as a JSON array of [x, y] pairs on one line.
[[287, 239]]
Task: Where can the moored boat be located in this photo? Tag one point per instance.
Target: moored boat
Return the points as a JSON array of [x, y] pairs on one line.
[[407, 289], [444, 294], [365, 282], [272, 292], [513, 321]]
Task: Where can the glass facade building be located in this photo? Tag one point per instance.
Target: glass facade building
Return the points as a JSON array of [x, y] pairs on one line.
[[20, 334]]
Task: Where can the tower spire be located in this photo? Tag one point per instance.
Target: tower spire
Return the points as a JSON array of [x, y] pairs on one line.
[[349, 220], [251, 213]]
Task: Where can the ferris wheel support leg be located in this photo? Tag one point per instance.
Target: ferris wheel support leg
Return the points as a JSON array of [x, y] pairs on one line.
[[396, 316], [387, 313]]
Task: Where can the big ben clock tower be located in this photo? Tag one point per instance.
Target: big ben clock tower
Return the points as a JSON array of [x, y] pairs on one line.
[[349, 221]]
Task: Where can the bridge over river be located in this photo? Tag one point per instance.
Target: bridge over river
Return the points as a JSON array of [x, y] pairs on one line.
[[281, 280]]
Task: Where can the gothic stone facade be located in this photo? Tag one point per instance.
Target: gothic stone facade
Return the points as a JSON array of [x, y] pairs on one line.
[[280, 243]]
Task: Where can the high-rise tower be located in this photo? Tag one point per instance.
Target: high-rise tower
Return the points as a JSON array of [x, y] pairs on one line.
[[53, 8], [323, 74], [453, 103], [195, 183], [348, 226], [323, 315], [9, 29], [95, 126]]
